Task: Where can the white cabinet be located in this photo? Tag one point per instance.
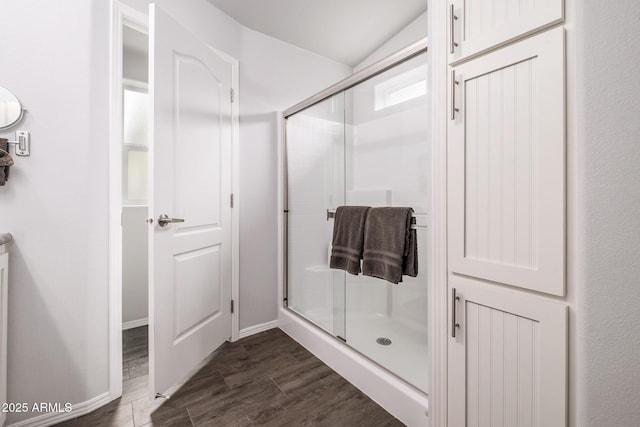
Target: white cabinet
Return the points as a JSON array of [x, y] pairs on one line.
[[476, 26], [4, 278], [506, 165], [508, 359]]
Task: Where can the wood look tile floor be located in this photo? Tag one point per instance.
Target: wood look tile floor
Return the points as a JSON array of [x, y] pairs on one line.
[[263, 380]]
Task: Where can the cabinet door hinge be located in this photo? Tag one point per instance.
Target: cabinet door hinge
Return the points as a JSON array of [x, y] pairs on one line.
[[232, 308], [232, 95], [231, 200]]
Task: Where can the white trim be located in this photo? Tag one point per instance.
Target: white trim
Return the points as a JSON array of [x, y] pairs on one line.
[[256, 329], [52, 418], [135, 323], [572, 207], [437, 257], [280, 123], [121, 15], [397, 397]]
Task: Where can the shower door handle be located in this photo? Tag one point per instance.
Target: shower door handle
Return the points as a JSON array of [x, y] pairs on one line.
[[454, 324], [164, 220]]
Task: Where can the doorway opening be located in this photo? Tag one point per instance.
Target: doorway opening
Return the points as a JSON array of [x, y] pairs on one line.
[[135, 211]]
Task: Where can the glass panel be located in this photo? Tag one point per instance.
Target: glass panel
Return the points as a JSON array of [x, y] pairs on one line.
[[387, 164], [315, 163]]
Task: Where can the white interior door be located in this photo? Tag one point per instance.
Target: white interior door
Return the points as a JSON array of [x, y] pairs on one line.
[[190, 261]]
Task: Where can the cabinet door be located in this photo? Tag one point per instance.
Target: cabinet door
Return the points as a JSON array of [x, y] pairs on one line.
[[479, 25], [506, 166], [508, 360]]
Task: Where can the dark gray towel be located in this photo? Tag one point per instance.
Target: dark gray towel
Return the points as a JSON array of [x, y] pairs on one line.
[[5, 161], [348, 238], [410, 260], [390, 247]]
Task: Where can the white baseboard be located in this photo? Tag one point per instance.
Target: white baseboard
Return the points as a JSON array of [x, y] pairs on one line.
[[252, 330], [77, 410], [135, 323]]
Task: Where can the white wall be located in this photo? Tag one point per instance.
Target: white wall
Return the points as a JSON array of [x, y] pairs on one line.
[[55, 58], [55, 204], [135, 66], [273, 77], [413, 32], [608, 213]]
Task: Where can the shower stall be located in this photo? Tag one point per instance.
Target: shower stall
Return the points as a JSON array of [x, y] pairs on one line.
[[363, 141]]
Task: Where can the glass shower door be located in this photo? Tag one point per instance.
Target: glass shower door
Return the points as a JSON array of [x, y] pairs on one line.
[[387, 164], [315, 162], [368, 146]]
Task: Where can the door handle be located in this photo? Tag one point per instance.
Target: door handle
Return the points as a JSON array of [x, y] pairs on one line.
[[452, 19], [454, 324], [164, 220], [454, 110]]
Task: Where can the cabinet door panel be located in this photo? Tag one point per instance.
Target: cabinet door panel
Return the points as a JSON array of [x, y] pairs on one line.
[[506, 155], [508, 361], [480, 25]]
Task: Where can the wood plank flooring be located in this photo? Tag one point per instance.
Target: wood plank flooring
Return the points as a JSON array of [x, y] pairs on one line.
[[263, 380]]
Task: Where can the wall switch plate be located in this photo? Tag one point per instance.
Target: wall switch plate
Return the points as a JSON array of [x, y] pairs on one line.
[[23, 146]]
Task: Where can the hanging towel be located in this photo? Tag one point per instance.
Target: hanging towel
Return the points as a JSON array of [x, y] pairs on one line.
[[390, 248], [348, 238], [5, 161], [410, 260]]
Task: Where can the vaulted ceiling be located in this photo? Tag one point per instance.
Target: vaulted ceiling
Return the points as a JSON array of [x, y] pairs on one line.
[[344, 30]]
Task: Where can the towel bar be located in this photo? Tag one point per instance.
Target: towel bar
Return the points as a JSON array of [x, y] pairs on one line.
[[331, 213]]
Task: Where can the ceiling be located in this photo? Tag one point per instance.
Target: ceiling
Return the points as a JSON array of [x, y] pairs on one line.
[[344, 30]]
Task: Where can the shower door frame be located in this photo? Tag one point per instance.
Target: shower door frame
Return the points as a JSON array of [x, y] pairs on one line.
[[395, 395], [379, 67]]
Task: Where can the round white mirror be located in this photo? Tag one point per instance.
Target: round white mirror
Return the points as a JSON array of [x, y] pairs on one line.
[[10, 109]]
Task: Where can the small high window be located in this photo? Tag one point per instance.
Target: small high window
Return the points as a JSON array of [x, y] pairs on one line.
[[401, 88]]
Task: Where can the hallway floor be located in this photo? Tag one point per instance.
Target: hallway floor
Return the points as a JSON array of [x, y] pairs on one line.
[[263, 380]]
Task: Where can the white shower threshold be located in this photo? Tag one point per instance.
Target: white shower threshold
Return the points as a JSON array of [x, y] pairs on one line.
[[400, 399]]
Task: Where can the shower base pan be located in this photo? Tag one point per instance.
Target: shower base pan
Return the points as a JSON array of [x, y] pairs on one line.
[[405, 402]]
